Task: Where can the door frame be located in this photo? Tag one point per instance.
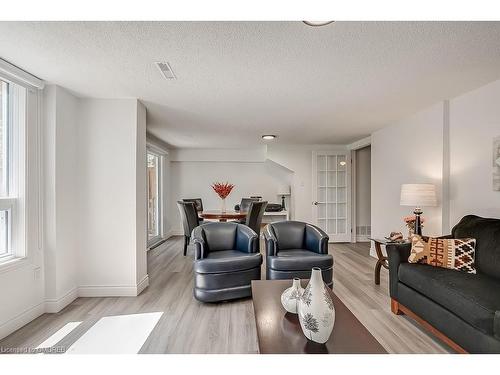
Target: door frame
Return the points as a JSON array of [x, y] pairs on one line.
[[365, 142], [347, 153], [160, 196]]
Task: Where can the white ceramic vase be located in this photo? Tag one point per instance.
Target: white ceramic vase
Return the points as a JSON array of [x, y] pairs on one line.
[[315, 309], [291, 296]]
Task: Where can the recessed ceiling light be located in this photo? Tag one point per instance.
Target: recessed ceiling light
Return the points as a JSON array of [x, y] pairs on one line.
[[269, 137], [166, 70], [342, 163], [317, 23]]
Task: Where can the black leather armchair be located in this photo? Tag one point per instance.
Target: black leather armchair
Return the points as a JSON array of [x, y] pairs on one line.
[[293, 248], [226, 261]]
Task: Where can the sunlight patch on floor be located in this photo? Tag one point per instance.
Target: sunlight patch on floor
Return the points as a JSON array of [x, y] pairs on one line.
[[59, 335], [120, 334]]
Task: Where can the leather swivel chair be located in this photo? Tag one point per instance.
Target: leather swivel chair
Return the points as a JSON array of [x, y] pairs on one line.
[[293, 248], [226, 261]]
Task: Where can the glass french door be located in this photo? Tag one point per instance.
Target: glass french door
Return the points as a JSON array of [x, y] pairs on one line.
[[154, 197], [331, 194]]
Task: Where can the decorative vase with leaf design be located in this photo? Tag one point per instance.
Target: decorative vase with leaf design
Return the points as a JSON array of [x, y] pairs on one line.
[[315, 309], [291, 296]]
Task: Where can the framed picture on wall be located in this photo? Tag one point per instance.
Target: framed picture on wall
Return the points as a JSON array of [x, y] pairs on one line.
[[496, 164]]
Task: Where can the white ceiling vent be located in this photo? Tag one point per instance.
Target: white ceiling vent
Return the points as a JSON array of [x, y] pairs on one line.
[[166, 70]]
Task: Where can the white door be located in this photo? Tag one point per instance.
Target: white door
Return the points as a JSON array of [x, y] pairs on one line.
[[331, 194]]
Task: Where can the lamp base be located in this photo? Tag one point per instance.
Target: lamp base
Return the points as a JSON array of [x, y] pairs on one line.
[[418, 223]]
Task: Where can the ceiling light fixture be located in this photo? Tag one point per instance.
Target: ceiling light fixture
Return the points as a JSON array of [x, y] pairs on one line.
[[269, 137], [317, 23]]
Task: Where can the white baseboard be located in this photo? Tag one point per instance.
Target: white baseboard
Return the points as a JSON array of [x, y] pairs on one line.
[[113, 290], [107, 291], [57, 304], [362, 238], [21, 320], [143, 284]]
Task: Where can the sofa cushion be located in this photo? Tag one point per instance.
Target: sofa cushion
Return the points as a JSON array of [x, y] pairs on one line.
[[487, 235], [456, 254], [473, 298], [299, 260], [227, 261]]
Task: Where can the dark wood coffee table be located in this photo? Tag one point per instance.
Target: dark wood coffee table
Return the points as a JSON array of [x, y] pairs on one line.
[[279, 332]]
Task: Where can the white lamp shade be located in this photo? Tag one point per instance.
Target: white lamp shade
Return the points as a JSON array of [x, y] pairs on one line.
[[284, 190], [418, 195]]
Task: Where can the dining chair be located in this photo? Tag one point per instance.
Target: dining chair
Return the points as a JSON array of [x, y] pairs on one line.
[[254, 215], [198, 203], [245, 203], [190, 220]]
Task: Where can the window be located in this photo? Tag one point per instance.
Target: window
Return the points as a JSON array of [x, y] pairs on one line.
[[12, 108], [154, 197], [5, 246]]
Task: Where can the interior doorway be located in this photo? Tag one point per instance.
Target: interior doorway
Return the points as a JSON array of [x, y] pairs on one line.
[[361, 191]]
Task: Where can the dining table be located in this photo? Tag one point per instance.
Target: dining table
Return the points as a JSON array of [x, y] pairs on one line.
[[222, 215]]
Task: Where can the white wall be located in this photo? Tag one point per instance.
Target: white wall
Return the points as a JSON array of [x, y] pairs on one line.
[[474, 122], [410, 151], [61, 212], [363, 189], [445, 145], [193, 179], [111, 180]]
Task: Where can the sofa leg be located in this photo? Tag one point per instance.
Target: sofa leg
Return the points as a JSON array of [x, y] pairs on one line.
[[395, 307]]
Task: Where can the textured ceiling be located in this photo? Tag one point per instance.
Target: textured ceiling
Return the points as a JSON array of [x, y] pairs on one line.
[[238, 80]]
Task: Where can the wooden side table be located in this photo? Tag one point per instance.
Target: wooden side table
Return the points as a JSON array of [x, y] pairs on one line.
[[382, 259]]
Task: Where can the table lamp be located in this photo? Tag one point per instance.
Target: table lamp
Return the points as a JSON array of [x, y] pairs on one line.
[[418, 195], [284, 191]]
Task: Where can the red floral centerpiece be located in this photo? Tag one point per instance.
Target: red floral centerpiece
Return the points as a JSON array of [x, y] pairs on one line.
[[410, 224], [223, 189]]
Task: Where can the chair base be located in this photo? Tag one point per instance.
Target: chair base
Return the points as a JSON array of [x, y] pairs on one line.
[[216, 287], [272, 274], [220, 295]]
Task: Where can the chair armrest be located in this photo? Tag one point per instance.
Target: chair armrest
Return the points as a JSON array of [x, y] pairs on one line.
[[397, 254], [316, 240], [246, 239], [270, 241], [199, 244]]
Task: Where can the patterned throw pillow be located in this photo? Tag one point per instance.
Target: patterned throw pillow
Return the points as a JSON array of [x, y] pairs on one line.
[[455, 254]]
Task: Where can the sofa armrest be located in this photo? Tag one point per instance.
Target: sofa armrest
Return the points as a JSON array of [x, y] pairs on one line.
[[199, 244], [397, 254], [270, 241], [316, 240], [246, 239], [496, 325]]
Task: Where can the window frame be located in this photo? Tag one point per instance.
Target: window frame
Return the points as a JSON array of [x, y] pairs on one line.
[[14, 200]]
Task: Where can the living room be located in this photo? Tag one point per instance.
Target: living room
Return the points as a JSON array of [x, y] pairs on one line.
[[195, 186]]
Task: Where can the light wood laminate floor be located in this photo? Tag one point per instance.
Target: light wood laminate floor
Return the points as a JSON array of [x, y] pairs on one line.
[[188, 326]]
